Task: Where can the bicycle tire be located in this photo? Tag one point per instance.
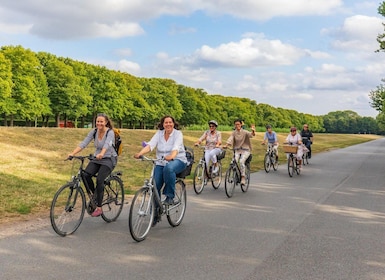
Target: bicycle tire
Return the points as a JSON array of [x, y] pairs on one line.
[[230, 181], [306, 159], [199, 178], [290, 167], [297, 169], [217, 179], [67, 209], [141, 214], [175, 213], [266, 163], [113, 199], [245, 187], [274, 162]]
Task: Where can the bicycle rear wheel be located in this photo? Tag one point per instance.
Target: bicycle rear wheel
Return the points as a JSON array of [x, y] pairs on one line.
[[113, 199], [290, 165], [230, 181], [245, 187], [199, 178], [217, 178], [67, 209], [266, 163], [175, 213], [141, 214]]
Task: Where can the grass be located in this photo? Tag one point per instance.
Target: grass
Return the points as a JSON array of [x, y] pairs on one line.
[[33, 165]]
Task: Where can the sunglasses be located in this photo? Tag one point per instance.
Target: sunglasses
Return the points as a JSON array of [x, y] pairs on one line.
[[212, 125], [293, 130]]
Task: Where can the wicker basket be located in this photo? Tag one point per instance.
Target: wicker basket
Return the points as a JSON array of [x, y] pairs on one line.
[[290, 149]]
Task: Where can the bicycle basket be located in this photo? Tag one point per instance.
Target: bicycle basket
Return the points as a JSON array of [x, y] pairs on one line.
[[221, 155], [185, 172], [290, 149]]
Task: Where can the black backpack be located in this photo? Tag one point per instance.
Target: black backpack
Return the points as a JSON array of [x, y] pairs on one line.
[[190, 162]]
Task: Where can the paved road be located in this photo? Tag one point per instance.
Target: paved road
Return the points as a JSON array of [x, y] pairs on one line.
[[327, 223]]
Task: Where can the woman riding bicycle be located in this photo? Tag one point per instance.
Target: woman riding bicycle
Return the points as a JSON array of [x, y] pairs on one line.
[[168, 141], [105, 157], [271, 138], [295, 139], [213, 139], [240, 140]]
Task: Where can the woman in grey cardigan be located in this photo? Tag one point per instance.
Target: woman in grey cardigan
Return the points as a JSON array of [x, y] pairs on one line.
[[105, 157]]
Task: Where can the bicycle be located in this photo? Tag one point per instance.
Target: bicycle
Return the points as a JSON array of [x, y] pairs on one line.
[[69, 203], [292, 161], [305, 156], [233, 176], [147, 201], [202, 175], [270, 159]]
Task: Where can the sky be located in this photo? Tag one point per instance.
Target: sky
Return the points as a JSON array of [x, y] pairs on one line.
[[312, 56]]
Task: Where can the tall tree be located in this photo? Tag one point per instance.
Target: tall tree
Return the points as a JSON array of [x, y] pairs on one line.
[[6, 85]]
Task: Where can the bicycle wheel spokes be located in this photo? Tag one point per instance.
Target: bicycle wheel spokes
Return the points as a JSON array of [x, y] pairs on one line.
[[216, 179], [274, 162], [67, 209], [113, 199], [266, 163], [175, 213], [199, 178], [141, 214], [230, 181], [290, 166]]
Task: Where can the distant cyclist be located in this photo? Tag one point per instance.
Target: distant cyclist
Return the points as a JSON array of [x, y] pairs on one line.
[[271, 138], [308, 135], [295, 139], [213, 140]]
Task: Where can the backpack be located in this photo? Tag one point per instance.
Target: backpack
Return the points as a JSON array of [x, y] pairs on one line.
[[190, 161], [118, 140]]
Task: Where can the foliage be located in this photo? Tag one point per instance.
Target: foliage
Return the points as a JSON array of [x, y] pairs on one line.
[[37, 87]]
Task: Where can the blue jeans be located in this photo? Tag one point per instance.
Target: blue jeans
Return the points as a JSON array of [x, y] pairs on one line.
[[167, 175]]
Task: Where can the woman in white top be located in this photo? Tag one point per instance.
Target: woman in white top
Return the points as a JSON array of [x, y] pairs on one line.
[[295, 139]]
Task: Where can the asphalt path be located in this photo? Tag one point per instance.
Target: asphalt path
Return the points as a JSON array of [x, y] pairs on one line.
[[327, 223]]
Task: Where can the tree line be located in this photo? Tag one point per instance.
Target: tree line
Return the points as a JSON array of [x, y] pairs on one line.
[[42, 89]]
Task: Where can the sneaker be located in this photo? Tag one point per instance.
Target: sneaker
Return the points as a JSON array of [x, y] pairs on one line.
[[215, 170], [97, 212], [169, 201]]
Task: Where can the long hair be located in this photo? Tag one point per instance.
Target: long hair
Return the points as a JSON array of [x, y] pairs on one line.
[[160, 125], [109, 122]]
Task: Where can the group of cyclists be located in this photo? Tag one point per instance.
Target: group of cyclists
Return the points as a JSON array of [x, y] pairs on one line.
[[168, 142]]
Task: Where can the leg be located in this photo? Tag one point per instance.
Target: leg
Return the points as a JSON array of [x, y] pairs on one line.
[[242, 160], [158, 177], [169, 174], [91, 169], [104, 171]]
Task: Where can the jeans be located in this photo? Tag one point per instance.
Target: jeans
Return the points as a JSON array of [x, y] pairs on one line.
[[167, 175]]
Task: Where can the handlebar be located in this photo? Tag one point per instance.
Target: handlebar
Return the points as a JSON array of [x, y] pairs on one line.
[[81, 158]]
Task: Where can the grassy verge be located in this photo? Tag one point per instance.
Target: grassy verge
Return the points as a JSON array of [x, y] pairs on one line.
[[33, 165]]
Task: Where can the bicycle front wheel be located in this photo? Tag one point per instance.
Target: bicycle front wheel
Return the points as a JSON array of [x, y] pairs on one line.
[[217, 178], [113, 199], [266, 163], [245, 187], [199, 178], [275, 162], [230, 181], [290, 166], [175, 213], [67, 209], [141, 214]]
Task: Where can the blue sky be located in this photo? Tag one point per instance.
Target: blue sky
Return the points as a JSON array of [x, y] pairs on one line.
[[313, 56]]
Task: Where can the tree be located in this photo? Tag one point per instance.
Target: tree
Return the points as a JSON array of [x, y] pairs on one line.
[[30, 90], [6, 86]]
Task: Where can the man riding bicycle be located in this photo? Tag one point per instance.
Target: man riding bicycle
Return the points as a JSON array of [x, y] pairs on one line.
[[307, 138]]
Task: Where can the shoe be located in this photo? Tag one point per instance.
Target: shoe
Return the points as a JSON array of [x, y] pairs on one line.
[[215, 170], [169, 201], [97, 212], [243, 181]]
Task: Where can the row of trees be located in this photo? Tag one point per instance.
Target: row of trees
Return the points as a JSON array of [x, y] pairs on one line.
[[41, 88]]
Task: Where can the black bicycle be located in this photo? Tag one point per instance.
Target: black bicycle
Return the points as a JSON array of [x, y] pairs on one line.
[[202, 174], [270, 159], [69, 203], [147, 204], [233, 175]]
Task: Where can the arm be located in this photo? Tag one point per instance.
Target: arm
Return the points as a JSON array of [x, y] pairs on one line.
[[219, 142], [203, 137], [143, 151]]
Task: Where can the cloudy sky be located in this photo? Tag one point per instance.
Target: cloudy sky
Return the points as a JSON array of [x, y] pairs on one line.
[[313, 56]]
